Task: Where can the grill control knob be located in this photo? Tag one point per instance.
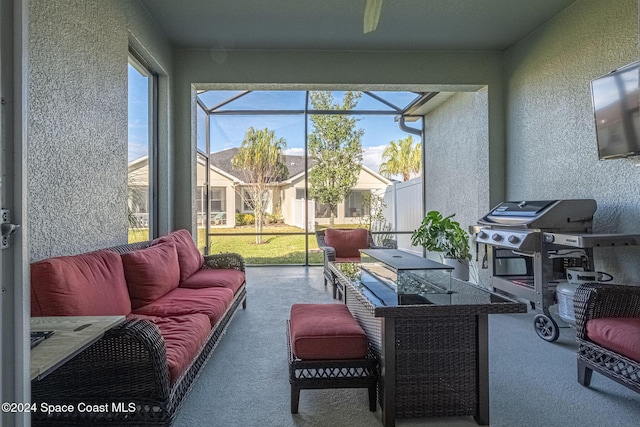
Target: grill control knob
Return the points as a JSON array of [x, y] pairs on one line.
[[496, 237], [513, 239], [482, 235]]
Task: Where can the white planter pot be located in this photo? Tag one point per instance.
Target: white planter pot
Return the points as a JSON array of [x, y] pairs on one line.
[[460, 267]]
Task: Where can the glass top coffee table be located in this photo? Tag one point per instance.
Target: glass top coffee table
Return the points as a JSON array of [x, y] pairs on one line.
[[429, 331]]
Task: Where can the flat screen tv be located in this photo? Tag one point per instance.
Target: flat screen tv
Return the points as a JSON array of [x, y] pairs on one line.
[[615, 105]]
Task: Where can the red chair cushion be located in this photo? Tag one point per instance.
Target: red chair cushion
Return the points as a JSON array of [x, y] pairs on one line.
[[325, 332], [347, 242], [206, 278], [184, 336], [189, 257], [151, 273], [210, 301], [90, 284], [619, 334]]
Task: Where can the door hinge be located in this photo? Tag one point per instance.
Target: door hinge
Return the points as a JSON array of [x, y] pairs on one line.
[[7, 228]]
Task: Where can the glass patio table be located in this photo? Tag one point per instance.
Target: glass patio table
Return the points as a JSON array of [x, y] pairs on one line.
[[428, 330]]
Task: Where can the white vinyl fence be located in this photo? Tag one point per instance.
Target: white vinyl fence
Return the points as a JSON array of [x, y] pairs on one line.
[[297, 214], [404, 209]]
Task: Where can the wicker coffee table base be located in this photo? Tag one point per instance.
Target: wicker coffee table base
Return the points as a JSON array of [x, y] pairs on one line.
[[319, 374]]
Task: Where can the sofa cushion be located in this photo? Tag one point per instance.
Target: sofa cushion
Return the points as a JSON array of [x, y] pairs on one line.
[[326, 331], [618, 334], [205, 278], [210, 301], [189, 257], [90, 284], [151, 272], [347, 242], [184, 337]]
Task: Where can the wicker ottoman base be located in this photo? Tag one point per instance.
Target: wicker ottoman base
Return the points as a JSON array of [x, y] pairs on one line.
[[318, 374]]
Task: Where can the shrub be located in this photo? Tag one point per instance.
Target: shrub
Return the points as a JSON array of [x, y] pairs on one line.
[[245, 219]]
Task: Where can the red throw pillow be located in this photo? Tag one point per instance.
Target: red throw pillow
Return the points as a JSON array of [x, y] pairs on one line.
[[151, 273], [189, 257], [347, 242], [90, 284]]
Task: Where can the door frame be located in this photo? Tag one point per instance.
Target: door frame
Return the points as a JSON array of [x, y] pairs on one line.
[[14, 260]]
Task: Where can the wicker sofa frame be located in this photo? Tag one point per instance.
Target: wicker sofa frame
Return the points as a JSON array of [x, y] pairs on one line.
[[319, 374], [330, 256], [593, 301], [128, 365]]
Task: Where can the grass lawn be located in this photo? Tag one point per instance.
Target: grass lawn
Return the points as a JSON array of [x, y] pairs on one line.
[[280, 249]]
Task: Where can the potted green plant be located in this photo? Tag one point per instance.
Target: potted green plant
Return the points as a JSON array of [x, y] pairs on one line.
[[444, 235]]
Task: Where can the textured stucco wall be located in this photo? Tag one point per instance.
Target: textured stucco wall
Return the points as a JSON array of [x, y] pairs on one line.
[[77, 123], [551, 140], [77, 132], [457, 158]]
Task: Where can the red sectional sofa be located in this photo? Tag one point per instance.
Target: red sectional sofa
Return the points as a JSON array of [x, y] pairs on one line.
[[177, 305]]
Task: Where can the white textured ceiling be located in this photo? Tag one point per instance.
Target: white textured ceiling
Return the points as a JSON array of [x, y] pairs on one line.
[[338, 24]]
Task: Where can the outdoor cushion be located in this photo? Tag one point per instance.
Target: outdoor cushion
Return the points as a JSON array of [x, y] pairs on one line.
[[90, 284], [189, 257], [618, 334], [326, 331], [151, 272], [210, 301], [205, 278], [184, 336], [347, 242]]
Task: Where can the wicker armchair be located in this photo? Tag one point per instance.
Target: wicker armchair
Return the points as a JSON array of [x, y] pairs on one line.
[[593, 301], [330, 256]]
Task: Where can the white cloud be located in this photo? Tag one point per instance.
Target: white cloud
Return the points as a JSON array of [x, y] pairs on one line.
[[372, 157], [294, 152]]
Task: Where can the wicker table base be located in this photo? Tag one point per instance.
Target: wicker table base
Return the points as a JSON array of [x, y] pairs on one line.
[[434, 358]]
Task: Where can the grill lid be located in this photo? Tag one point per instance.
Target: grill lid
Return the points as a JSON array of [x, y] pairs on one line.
[[565, 215], [523, 209]]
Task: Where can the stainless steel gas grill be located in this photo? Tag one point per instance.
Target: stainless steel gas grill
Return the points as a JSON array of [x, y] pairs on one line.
[[530, 244]]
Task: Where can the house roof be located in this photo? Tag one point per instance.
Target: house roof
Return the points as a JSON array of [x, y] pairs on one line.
[[222, 160]]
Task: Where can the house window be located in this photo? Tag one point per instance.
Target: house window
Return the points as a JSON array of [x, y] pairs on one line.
[[322, 210], [300, 193], [218, 199], [354, 204], [141, 150], [247, 201]]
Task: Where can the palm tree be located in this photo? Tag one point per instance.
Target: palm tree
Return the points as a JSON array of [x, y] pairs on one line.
[[260, 161], [402, 158]]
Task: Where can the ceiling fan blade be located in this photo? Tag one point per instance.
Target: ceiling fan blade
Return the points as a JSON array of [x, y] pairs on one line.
[[372, 9]]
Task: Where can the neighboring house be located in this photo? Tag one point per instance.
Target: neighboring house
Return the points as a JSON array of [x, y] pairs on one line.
[[288, 196], [138, 190]]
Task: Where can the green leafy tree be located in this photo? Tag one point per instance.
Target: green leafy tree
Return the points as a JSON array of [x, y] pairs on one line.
[[260, 162], [402, 158], [335, 149]]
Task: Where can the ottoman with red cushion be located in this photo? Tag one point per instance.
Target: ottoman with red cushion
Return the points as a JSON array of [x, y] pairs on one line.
[[328, 349]]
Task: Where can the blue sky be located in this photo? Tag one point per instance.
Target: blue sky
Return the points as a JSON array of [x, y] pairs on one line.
[[228, 131], [138, 114]]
